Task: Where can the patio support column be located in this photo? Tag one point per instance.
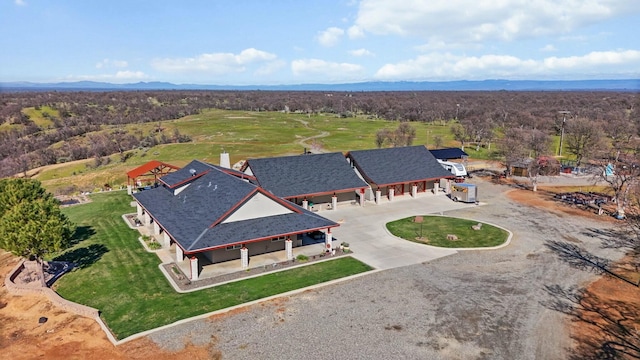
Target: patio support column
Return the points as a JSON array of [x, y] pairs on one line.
[[305, 204], [378, 196], [361, 197], [156, 228], [139, 211], [328, 239], [146, 218], [244, 257], [167, 239], [288, 246], [179, 253], [435, 188], [391, 193], [447, 187], [129, 190], [414, 190], [194, 268], [334, 202]]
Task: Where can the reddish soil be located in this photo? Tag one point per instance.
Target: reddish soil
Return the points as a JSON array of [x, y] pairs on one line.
[[66, 335]]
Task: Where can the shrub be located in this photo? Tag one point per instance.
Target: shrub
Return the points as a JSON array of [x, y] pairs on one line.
[[302, 257]]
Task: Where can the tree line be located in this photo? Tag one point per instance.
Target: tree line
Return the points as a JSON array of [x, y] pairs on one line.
[[482, 116]]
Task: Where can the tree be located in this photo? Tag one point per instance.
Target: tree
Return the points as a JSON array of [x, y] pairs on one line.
[[403, 135], [31, 223], [512, 147], [460, 134], [583, 138]]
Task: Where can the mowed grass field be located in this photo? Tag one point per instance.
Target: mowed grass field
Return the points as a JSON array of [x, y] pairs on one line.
[[118, 277], [243, 135]]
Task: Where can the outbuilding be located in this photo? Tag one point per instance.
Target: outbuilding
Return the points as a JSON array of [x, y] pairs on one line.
[[397, 171], [314, 181]]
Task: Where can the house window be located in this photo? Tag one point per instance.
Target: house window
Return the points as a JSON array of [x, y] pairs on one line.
[[234, 247], [281, 238]]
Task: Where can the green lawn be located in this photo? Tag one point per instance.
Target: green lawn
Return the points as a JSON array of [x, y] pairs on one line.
[[245, 134], [434, 231], [123, 281]]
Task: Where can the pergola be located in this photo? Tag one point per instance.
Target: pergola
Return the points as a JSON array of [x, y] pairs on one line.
[[149, 172]]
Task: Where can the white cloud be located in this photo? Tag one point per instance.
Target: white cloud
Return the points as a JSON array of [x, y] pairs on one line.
[[361, 52], [215, 63], [106, 63], [469, 21], [332, 70], [447, 66], [548, 48], [330, 36], [20, 2], [355, 32]]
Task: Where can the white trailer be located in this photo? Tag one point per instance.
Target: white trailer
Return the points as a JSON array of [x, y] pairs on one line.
[[456, 169]]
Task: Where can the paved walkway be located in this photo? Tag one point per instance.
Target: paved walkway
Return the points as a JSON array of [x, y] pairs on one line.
[[365, 231]]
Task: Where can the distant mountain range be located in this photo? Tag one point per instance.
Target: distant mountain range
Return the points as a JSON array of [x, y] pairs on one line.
[[484, 85]]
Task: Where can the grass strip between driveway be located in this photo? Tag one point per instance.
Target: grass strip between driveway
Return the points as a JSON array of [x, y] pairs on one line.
[[116, 275], [433, 230]]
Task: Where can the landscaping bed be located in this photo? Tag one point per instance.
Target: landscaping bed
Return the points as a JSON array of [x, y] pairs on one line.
[[448, 232]]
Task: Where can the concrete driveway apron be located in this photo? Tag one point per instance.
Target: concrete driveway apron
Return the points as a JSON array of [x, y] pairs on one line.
[[365, 231]]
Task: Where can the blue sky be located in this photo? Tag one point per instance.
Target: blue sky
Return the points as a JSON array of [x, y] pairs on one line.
[[268, 42]]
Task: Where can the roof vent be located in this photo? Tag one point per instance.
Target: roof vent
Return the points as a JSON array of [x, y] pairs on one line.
[[193, 172]]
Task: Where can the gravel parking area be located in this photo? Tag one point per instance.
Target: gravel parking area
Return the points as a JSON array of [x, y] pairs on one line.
[[469, 305]]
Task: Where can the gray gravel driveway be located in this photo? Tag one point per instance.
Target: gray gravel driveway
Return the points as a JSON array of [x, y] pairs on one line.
[[469, 305]]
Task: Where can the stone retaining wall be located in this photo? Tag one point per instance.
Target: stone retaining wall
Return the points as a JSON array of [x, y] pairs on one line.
[[57, 300]]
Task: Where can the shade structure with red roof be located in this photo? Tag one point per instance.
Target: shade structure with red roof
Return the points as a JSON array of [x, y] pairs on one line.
[[149, 172]]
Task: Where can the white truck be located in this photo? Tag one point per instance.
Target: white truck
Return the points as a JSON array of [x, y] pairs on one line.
[[456, 169]]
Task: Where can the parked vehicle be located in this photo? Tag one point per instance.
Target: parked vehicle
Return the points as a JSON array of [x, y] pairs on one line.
[[456, 169], [464, 192]]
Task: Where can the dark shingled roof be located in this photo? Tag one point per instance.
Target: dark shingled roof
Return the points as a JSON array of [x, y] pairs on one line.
[[448, 153], [304, 175], [397, 165], [193, 217], [184, 175]]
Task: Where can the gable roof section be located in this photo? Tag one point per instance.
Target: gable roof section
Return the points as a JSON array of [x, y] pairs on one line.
[[153, 167], [305, 175], [448, 153], [184, 175], [194, 218], [397, 165]]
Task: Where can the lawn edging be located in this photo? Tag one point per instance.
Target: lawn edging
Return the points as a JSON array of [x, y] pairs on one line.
[[504, 244], [231, 308]]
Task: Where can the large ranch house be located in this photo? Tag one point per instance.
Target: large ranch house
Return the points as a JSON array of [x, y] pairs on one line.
[[209, 214], [212, 216]]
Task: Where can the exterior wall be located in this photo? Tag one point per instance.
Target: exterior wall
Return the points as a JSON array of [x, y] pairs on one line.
[[258, 206]]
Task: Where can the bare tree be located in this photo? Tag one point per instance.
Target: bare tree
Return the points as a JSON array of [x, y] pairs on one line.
[[460, 134], [584, 137], [512, 148]]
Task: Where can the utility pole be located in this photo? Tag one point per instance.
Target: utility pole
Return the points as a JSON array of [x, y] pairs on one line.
[[564, 119]]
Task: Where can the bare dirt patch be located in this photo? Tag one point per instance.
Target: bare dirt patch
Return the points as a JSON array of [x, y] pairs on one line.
[[545, 201], [65, 335], [608, 318]]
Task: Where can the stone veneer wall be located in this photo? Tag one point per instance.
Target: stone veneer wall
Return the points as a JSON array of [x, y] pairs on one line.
[[16, 289]]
